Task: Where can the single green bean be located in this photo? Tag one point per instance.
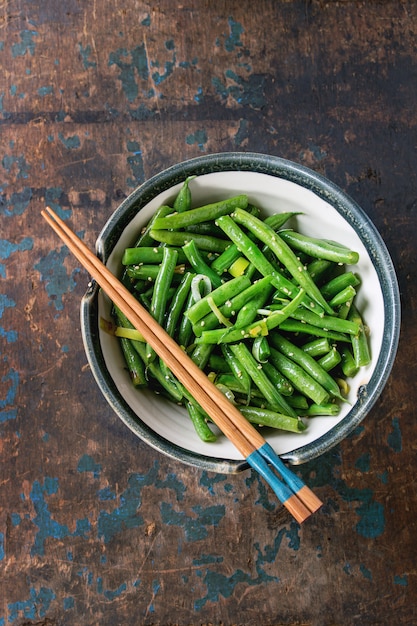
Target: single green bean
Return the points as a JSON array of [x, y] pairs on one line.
[[177, 306], [153, 369], [319, 248], [346, 295], [180, 238], [148, 254], [314, 410], [266, 417], [278, 380], [200, 423], [330, 360], [249, 311], [348, 365], [207, 213], [149, 273], [326, 322], [145, 238], [297, 327], [160, 291], [317, 347], [134, 363], [284, 253], [183, 200], [237, 369], [199, 265], [360, 345]]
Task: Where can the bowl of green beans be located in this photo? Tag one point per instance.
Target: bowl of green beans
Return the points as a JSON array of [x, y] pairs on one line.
[[271, 279]]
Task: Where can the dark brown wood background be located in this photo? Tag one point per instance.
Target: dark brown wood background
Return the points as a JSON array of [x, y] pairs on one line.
[[95, 97]]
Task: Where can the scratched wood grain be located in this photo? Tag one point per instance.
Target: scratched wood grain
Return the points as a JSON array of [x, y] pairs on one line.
[[95, 527]]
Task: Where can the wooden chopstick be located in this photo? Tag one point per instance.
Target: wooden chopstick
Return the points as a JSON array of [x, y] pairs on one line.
[[299, 500]]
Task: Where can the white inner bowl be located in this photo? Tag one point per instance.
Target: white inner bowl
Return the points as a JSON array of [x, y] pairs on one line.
[[318, 219]]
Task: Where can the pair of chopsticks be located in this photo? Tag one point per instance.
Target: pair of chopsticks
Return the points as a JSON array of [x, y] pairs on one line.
[[288, 487]]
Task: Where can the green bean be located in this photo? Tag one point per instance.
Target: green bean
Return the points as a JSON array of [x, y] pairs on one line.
[[148, 254], [360, 344], [266, 417], [185, 330], [326, 322], [260, 379], [145, 238], [348, 365], [225, 259], [284, 253], [218, 364], [320, 248], [317, 347], [199, 265], [183, 200], [200, 423], [249, 311], [330, 408], [319, 270], [301, 381], [160, 290], [149, 273], [178, 303], [236, 367], [278, 380], [277, 220], [299, 402], [207, 213], [330, 360], [134, 363], [346, 295], [180, 238], [307, 362], [338, 283], [297, 327], [201, 354]]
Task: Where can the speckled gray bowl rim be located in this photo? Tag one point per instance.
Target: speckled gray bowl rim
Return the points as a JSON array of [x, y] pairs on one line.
[[281, 168]]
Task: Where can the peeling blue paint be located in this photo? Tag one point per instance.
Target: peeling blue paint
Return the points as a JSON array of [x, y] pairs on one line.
[[242, 133], [371, 513], [87, 464], [199, 138], [195, 528], [48, 527], [146, 21], [36, 606], [10, 162], [8, 247], [1, 546], [138, 64], [365, 572], [395, 438], [111, 595], [26, 44], [246, 92], [7, 303], [209, 480], [363, 463], [169, 66], [68, 603], [7, 409], [135, 163], [233, 40], [401, 580], [46, 91], [17, 204], [85, 56], [54, 275], [207, 559], [71, 143]]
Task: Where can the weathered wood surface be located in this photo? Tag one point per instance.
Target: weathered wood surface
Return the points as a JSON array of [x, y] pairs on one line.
[[95, 97]]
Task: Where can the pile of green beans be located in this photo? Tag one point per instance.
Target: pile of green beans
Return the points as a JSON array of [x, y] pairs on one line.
[[268, 313]]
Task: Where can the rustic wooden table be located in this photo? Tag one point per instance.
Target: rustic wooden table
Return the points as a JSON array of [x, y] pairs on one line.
[[95, 97]]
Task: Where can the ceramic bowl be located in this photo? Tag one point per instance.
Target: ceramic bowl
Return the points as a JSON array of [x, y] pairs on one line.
[[275, 185]]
